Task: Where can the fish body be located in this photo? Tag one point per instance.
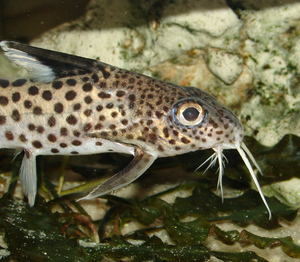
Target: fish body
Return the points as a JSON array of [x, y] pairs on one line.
[[73, 106]]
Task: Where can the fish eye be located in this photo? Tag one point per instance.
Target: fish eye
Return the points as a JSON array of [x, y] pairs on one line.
[[189, 113]]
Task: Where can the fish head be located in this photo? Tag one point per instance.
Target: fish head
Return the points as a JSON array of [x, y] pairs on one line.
[[201, 122], [197, 121]]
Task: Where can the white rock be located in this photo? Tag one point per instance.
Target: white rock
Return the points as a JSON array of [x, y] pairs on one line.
[[287, 192], [227, 66], [184, 25]]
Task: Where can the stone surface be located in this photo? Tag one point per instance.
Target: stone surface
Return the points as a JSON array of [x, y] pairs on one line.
[[287, 192], [176, 39], [225, 65]]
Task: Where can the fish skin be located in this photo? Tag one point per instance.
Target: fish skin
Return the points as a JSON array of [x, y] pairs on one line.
[[75, 106]]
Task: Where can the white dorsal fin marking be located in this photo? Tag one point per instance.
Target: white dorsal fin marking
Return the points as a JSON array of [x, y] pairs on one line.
[[36, 70]]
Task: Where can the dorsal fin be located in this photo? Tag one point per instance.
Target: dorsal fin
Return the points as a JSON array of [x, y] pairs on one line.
[[45, 65]]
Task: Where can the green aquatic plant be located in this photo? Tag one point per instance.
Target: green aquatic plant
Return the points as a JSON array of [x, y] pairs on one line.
[[40, 234]]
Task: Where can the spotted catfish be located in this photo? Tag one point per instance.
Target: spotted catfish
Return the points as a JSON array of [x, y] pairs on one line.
[[73, 105]]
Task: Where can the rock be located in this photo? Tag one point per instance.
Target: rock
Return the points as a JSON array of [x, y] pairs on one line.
[[225, 65]]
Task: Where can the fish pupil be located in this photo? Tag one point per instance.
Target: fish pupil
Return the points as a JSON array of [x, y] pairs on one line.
[[190, 114]]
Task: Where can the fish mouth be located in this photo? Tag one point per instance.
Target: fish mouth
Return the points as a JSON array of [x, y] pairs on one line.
[[245, 154]]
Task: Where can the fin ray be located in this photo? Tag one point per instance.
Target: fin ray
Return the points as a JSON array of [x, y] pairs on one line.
[[28, 177], [46, 65], [140, 163]]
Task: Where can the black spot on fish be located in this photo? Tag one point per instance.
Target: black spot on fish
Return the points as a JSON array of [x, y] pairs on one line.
[[19, 82]]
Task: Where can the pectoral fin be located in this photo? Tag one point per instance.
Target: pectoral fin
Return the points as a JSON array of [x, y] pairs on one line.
[[139, 164]]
